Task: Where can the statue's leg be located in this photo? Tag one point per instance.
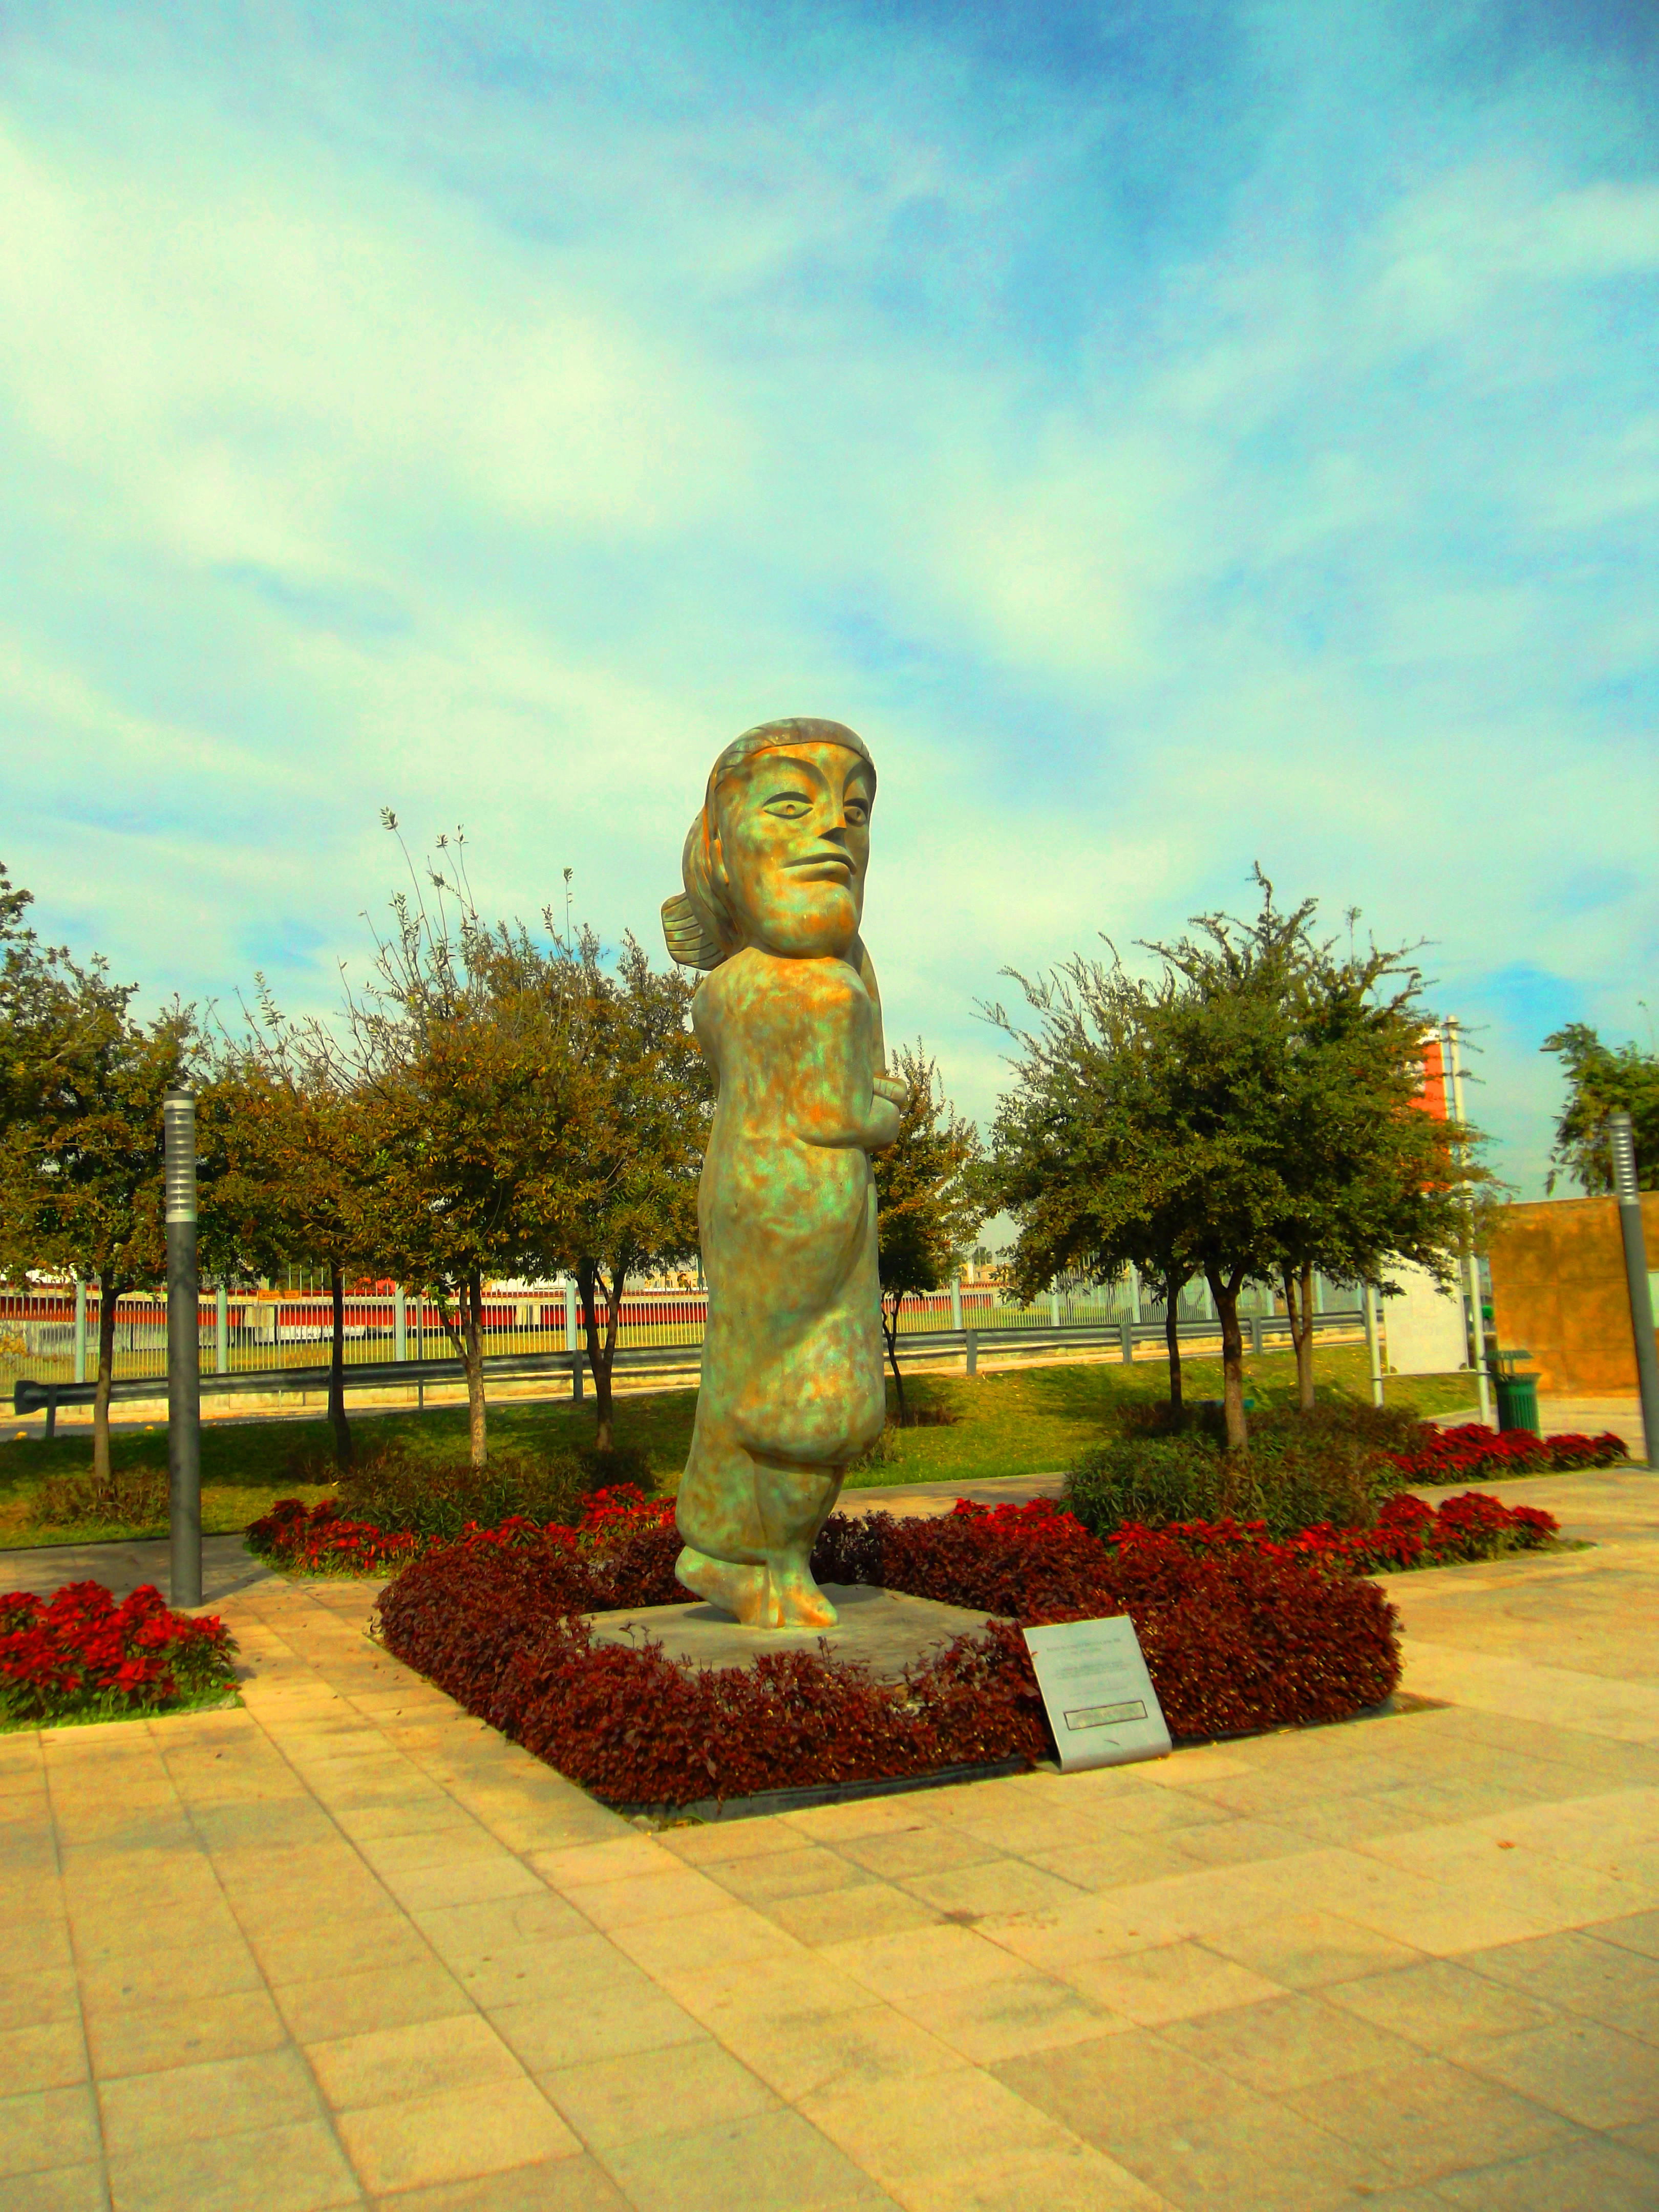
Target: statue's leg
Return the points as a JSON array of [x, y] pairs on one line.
[[794, 1502], [725, 1555]]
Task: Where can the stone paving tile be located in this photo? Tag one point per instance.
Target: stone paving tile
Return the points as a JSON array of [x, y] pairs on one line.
[[389, 2065], [566, 2184], [729, 1841], [217, 2097], [769, 2162], [1168, 1982], [1117, 1862], [64, 2189], [1441, 2005], [1308, 1950], [1576, 1970], [454, 2135], [1589, 2073], [962, 2119], [780, 1874], [844, 2050], [1190, 2132], [299, 2169], [994, 1889], [1637, 1932], [611, 2101], [41, 2129], [627, 2017], [310, 1950], [1427, 2122], [862, 1909], [35, 1999], [340, 2005], [1285, 2043], [1586, 2177], [990, 2022], [52, 2054], [138, 2036], [919, 1961]]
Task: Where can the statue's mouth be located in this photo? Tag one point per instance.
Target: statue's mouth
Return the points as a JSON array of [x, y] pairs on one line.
[[823, 868]]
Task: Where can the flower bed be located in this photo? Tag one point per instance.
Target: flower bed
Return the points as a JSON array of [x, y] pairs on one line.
[[1453, 1455], [1239, 1636], [1241, 1633], [318, 1540], [81, 1657]]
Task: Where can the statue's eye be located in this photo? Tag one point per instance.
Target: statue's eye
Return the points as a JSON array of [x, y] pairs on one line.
[[858, 813], [787, 808]]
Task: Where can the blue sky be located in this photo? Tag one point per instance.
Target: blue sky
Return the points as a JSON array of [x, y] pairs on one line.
[[1176, 433]]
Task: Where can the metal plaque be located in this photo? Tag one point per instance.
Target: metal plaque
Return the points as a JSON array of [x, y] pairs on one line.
[[1101, 1703]]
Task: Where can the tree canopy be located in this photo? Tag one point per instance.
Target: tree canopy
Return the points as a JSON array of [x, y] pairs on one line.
[[1246, 1114], [623, 1197], [929, 1196], [1603, 1079], [80, 1143], [294, 1154]]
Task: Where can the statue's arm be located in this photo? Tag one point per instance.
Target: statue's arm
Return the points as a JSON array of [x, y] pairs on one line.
[[883, 1084], [856, 1106]]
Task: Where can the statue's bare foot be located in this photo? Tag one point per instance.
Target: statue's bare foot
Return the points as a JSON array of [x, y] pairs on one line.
[[741, 1590], [794, 1600]]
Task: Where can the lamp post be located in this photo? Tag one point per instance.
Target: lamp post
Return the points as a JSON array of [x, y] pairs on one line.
[[1452, 1063], [184, 1351], [1636, 1277]]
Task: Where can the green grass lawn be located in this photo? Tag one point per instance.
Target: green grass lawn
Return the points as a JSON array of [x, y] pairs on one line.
[[1017, 1421]]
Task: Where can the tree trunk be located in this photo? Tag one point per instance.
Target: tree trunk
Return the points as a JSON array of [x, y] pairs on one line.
[[602, 1345], [472, 1353], [1298, 1307], [1224, 1291], [337, 1409], [889, 1332], [109, 1293], [1173, 1284]]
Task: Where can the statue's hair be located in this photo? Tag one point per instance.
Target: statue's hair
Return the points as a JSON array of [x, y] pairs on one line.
[[700, 929]]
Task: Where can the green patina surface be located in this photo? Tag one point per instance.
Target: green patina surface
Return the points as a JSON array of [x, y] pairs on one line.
[[790, 1018]]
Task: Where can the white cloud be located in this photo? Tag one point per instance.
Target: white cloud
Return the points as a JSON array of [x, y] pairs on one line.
[[497, 455]]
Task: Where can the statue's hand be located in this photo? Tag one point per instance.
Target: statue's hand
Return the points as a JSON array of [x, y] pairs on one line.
[[890, 1088], [884, 1121]]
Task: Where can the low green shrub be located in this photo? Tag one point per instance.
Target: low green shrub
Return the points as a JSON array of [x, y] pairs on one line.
[[1301, 1469], [135, 1498], [423, 1494]]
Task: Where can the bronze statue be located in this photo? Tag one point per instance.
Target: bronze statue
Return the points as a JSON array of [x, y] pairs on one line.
[[789, 1018]]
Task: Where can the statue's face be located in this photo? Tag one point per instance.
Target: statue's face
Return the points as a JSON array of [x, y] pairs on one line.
[[793, 846]]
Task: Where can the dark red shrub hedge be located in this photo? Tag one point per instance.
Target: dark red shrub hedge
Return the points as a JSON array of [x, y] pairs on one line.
[[1453, 1455], [1239, 1636]]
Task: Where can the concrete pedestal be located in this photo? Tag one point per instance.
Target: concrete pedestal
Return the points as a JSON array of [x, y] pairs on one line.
[[881, 1629]]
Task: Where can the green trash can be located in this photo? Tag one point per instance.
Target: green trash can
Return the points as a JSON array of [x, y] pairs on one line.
[[1517, 1394]]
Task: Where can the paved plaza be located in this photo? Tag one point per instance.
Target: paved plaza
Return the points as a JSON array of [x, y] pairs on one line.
[[344, 1946]]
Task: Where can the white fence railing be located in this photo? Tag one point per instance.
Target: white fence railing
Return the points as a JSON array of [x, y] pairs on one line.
[[51, 1335]]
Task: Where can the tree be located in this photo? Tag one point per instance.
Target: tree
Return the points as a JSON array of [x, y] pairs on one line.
[[295, 1151], [1603, 1079], [619, 1197], [1249, 1116], [466, 1057], [1085, 1151], [80, 1150], [929, 1201], [1347, 1174]]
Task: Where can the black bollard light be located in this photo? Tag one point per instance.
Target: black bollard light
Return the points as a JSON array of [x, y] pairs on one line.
[[1636, 1276], [184, 1351]]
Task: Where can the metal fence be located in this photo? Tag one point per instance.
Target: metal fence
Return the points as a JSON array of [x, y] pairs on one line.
[[50, 1335], [53, 1335]]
